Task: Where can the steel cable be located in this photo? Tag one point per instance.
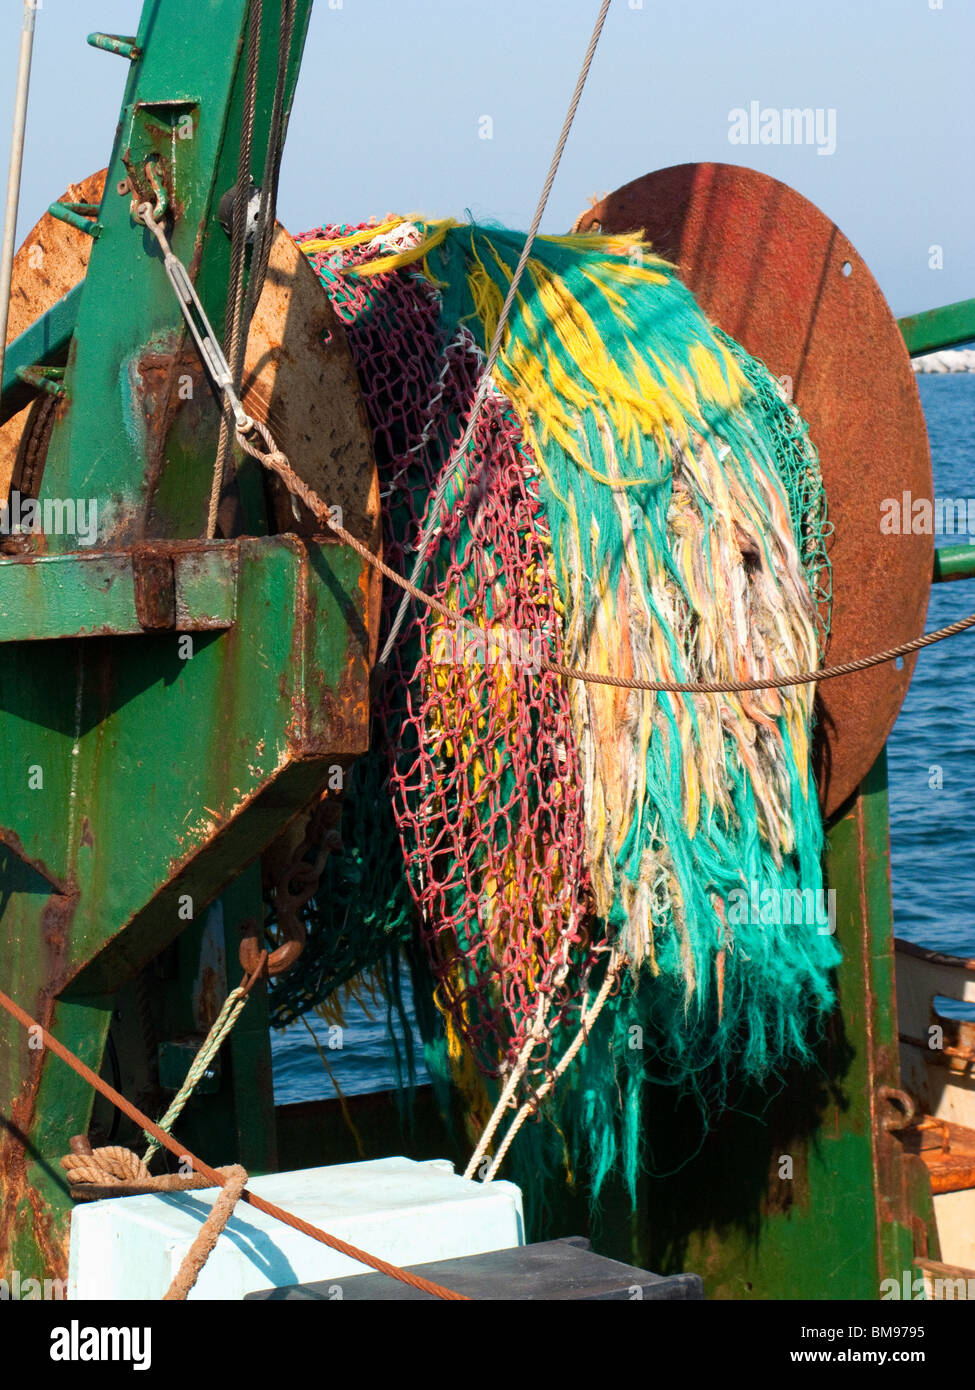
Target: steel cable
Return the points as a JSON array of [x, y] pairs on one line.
[[235, 339], [436, 505]]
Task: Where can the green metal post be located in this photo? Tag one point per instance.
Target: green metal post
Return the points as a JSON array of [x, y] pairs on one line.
[[954, 562], [186, 704]]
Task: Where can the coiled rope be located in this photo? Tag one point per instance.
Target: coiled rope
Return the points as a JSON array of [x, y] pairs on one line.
[[115, 1172]]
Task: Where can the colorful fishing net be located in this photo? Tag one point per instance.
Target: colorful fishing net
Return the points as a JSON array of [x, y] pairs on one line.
[[640, 499]]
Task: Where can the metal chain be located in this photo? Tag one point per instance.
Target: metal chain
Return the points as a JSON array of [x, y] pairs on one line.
[[292, 889]]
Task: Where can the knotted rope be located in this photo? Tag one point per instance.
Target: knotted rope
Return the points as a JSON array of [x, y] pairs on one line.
[[217, 1177], [114, 1171]]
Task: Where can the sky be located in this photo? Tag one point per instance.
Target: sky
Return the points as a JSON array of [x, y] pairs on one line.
[[393, 95]]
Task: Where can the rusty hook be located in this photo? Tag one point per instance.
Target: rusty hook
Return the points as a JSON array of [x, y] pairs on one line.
[[282, 958]]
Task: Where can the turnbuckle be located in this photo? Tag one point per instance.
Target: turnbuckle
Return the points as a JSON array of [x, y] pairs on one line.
[[196, 318]]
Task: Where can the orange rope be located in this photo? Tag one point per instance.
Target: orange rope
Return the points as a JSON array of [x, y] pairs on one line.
[[217, 1178]]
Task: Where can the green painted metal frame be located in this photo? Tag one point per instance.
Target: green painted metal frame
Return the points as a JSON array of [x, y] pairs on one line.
[[142, 785], [167, 707], [939, 328], [182, 110], [104, 593]]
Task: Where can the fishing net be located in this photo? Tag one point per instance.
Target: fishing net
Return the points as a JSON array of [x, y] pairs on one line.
[[639, 498]]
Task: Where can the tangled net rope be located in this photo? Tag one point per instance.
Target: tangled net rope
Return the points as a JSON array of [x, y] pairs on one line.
[[517, 814], [637, 497]]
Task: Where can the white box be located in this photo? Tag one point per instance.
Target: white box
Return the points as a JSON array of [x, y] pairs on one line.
[[406, 1212]]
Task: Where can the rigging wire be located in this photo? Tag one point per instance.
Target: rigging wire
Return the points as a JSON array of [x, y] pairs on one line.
[[484, 385], [278, 463], [238, 243], [241, 305]]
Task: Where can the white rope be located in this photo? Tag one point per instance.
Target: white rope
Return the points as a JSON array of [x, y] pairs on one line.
[[589, 1017], [535, 1036]]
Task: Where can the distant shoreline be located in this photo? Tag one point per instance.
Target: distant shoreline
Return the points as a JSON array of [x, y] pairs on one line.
[[950, 362]]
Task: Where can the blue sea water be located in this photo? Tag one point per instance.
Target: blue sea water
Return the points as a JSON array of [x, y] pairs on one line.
[[361, 1056], [932, 860]]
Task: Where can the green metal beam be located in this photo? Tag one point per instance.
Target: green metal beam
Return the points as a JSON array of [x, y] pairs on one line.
[[45, 343], [954, 562], [939, 328], [104, 593]]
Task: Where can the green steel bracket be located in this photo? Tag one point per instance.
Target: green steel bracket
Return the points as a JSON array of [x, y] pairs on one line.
[[177, 587], [939, 328], [81, 216], [43, 344], [954, 562], [123, 45], [50, 380]]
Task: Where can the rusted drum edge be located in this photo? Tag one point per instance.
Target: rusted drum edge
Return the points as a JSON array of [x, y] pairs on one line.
[[777, 275]]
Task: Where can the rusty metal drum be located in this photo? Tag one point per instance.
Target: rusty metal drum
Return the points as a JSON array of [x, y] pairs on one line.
[[774, 272]]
